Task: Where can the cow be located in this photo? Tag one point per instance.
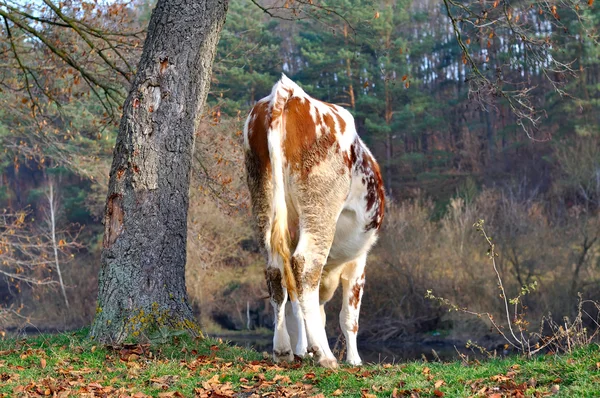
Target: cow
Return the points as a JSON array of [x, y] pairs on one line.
[[318, 200]]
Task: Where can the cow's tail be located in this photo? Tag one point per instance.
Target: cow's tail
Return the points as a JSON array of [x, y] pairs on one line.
[[280, 235]]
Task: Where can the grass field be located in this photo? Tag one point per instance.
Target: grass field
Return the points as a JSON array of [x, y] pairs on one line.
[[71, 365]]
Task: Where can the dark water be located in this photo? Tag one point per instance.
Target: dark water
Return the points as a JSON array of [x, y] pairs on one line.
[[390, 352]]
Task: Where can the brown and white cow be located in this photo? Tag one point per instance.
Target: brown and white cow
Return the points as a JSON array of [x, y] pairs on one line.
[[318, 199]]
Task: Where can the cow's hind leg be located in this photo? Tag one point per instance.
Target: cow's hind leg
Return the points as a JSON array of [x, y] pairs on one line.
[[261, 193], [353, 282], [317, 227], [307, 264], [282, 348]]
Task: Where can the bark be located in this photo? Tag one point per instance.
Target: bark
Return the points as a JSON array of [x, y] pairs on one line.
[[142, 279]]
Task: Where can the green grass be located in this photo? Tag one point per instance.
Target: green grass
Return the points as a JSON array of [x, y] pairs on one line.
[[57, 364]]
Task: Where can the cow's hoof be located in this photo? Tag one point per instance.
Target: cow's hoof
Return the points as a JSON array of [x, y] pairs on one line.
[[300, 350], [354, 362], [283, 356], [330, 363]]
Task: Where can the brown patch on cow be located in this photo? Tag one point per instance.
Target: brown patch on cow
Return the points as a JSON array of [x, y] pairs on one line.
[[113, 219], [300, 129], [259, 184], [355, 327], [376, 195], [342, 123], [355, 297], [302, 149], [312, 277], [298, 270], [350, 157], [258, 128], [273, 277]]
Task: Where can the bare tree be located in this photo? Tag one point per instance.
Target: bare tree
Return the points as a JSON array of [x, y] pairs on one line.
[[28, 255], [52, 209], [528, 32]]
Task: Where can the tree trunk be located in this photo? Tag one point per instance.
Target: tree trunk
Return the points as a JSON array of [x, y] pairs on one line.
[[142, 279]]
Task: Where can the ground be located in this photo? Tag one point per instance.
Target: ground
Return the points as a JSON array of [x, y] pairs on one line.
[[71, 365]]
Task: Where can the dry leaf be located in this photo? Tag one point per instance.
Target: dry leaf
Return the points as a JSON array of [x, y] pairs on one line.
[[43, 363], [532, 382], [337, 392], [439, 383]]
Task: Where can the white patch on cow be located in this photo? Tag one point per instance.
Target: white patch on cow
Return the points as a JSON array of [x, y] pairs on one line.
[[281, 339], [296, 329], [346, 138], [246, 132]]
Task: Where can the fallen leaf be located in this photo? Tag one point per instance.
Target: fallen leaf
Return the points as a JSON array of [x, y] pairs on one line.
[[438, 393], [555, 389], [532, 382], [439, 383], [283, 379], [337, 392], [426, 370], [43, 363]]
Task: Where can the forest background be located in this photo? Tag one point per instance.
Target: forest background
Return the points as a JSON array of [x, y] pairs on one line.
[[396, 65]]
